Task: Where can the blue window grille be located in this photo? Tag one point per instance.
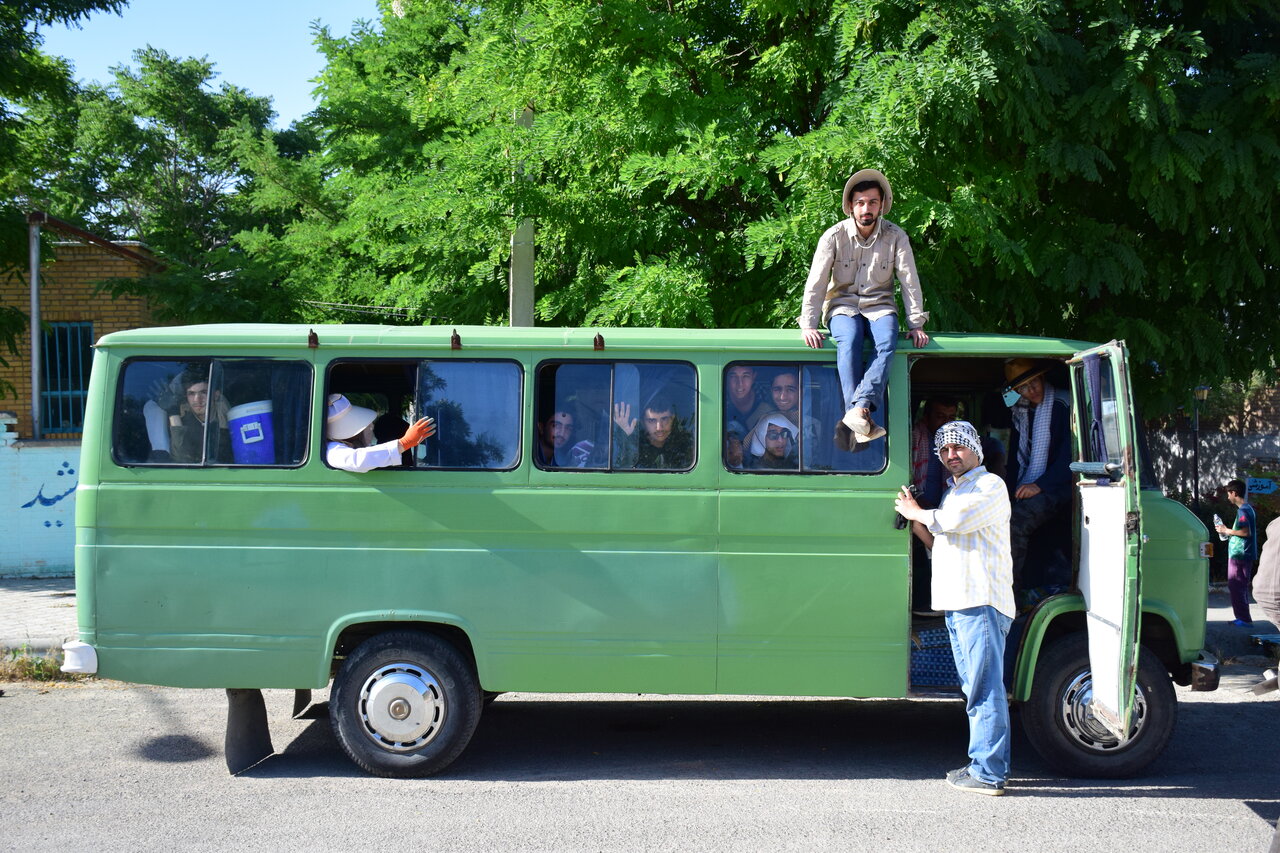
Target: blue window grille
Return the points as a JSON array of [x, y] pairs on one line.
[[67, 356]]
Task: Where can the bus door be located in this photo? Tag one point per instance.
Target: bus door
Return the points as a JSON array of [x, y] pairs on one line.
[[1105, 431]]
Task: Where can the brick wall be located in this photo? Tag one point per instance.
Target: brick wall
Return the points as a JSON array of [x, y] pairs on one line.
[[1262, 411], [67, 294]]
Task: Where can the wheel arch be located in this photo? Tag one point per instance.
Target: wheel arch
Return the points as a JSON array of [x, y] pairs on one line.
[[348, 633], [1062, 615]]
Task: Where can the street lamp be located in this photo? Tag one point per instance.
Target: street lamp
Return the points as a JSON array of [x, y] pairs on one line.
[[1201, 393]]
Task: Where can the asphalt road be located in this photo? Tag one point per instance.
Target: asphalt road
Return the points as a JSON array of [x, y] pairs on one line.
[[105, 766]]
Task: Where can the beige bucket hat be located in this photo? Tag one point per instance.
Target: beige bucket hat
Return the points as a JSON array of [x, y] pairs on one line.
[[867, 175]]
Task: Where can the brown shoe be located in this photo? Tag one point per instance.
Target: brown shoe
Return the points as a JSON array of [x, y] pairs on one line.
[[844, 438]]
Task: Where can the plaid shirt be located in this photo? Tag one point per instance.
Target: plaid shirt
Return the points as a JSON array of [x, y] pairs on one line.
[[972, 565], [921, 451]]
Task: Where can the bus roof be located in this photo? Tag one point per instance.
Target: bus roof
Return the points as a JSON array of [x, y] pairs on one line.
[[576, 341]]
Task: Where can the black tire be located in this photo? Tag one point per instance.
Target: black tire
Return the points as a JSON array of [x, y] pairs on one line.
[[1067, 736], [405, 704]]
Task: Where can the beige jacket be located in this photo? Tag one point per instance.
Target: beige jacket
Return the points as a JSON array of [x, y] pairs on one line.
[[845, 278]]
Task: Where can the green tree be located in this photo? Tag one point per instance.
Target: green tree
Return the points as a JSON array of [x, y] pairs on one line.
[[1088, 170], [418, 186], [152, 157], [27, 74], [1078, 168]]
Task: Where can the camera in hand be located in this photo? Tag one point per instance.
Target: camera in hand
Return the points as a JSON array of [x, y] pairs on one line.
[[900, 523]]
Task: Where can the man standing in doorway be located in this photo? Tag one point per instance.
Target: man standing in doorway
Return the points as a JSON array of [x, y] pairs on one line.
[[926, 468], [973, 585], [1242, 552], [1039, 473], [850, 288]]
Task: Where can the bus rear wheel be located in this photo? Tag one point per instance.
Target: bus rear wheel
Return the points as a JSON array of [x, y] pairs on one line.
[[1064, 731], [405, 704]]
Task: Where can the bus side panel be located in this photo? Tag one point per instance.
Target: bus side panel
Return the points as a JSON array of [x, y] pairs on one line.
[[1173, 571], [609, 590], [571, 590], [814, 594]]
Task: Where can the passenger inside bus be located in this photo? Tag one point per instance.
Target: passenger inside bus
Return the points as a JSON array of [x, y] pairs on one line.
[[1038, 476], [734, 453], [187, 427], [349, 434], [663, 442], [784, 390], [743, 407], [555, 440], [753, 390], [773, 444]]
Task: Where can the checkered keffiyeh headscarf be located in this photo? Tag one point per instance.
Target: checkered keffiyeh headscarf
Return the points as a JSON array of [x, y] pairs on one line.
[[957, 432]]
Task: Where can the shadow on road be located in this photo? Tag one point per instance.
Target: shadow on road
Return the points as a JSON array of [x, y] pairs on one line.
[[175, 749], [556, 740]]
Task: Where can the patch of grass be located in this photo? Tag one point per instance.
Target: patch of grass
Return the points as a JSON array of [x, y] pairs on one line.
[[24, 664]]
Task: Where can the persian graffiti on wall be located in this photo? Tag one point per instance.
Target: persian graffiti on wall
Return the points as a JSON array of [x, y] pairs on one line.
[[42, 500], [37, 530]]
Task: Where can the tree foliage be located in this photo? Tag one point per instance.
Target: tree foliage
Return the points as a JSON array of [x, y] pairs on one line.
[[1078, 168], [27, 75], [1086, 168], [151, 157]]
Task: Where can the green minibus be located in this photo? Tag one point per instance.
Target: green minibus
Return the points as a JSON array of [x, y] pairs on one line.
[[598, 512]]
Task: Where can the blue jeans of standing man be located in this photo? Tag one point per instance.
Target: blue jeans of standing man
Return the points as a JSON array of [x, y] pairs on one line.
[[977, 642], [863, 389]]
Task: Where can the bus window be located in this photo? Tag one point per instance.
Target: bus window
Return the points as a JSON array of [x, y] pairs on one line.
[[619, 416], [476, 406], [786, 422], [573, 421], [204, 412]]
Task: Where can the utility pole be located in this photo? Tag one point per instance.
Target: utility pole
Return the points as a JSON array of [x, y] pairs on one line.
[[34, 221], [521, 282]]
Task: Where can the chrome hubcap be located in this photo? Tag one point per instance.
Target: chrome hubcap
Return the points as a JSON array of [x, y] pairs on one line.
[[402, 707], [1086, 729]]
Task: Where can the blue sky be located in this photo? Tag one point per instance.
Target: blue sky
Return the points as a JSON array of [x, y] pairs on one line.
[[264, 46]]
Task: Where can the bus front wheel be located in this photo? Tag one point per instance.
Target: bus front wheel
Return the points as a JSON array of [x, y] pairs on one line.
[[405, 704], [1062, 728]]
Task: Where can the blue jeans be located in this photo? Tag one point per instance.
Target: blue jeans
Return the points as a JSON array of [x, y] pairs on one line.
[[863, 390], [977, 642]]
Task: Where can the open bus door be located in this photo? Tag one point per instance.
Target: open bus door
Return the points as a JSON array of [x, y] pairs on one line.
[[1105, 429]]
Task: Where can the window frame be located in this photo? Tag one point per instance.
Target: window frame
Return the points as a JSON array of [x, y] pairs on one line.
[[417, 362], [800, 366], [208, 361], [612, 363], [58, 366]]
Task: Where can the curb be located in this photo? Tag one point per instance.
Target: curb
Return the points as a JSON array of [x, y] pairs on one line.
[[32, 646]]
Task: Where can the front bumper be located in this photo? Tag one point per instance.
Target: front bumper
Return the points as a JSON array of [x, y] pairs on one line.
[[1205, 671], [79, 657]]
